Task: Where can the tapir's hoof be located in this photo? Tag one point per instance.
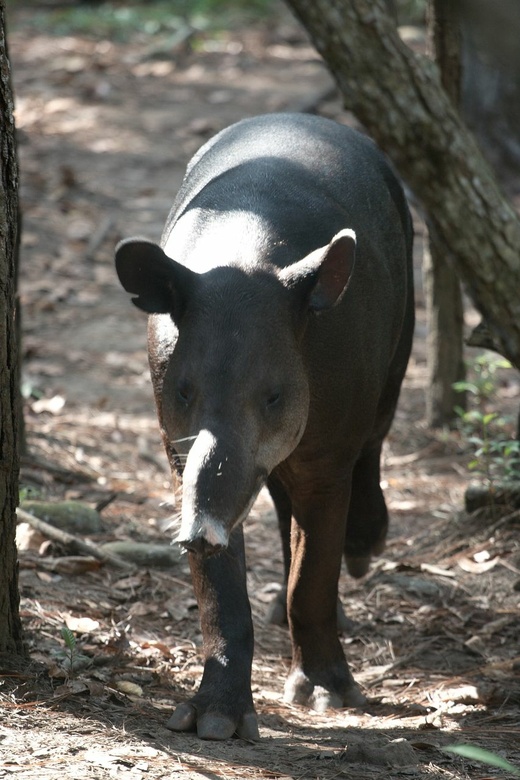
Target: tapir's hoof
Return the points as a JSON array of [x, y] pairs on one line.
[[248, 727], [300, 690], [357, 566], [211, 725], [183, 718], [354, 698]]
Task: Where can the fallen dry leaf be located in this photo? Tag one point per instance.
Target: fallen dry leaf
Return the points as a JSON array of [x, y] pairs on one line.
[[53, 405], [129, 688], [476, 567], [81, 625]]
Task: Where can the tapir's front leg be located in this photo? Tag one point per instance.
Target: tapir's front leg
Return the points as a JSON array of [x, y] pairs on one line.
[[223, 704], [319, 676]]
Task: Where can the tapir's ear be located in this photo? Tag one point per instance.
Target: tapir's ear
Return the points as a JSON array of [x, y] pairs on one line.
[[322, 277], [160, 284]]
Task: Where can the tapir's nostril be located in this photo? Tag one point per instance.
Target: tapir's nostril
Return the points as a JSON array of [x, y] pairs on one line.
[[200, 546]]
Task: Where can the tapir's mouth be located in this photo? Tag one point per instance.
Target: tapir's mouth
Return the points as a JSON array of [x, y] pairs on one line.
[[206, 534], [200, 546]]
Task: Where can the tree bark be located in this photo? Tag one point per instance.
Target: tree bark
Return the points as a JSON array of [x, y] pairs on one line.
[[398, 97], [444, 343], [444, 307], [10, 626], [490, 89]]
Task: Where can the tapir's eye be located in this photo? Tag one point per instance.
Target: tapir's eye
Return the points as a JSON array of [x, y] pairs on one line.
[[273, 399], [184, 393]]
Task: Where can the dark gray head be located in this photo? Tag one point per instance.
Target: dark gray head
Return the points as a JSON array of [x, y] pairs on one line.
[[235, 392]]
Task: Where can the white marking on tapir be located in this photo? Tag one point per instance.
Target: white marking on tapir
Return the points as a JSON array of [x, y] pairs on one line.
[[197, 522], [206, 527], [212, 248], [213, 531]]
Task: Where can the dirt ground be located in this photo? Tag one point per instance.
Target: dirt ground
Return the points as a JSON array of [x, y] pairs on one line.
[[105, 131]]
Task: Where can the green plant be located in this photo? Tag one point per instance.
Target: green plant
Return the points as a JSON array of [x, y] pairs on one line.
[[496, 456], [484, 371], [485, 756], [23, 493], [71, 655], [28, 492]]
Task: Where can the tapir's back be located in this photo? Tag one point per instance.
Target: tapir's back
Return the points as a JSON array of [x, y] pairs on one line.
[[269, 190], [305, 177]]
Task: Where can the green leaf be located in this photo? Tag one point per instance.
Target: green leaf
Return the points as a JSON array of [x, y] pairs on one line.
[[68, 637], [503, 363], [465, 387], [475, 415], [479, 754]]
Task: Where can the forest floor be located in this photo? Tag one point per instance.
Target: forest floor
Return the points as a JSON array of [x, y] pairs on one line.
[[106, 127]]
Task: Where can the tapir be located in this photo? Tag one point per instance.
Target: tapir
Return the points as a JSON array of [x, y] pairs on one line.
[[280, 304]]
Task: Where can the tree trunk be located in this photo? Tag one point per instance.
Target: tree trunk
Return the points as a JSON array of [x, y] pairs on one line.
[[398, 97], [444, 307], [490, 89], [444, 344], [10, 626]]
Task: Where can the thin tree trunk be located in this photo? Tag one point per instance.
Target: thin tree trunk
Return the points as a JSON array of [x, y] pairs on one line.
[[10, 626], [444, 343], [490, 89], [398, 97], [444, 307]]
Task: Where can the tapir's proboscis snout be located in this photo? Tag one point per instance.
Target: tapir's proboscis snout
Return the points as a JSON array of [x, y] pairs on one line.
[[219, 490], [280, 304]]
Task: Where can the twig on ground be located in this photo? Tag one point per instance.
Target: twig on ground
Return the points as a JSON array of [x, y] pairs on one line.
[[71, 542], [59, 472]]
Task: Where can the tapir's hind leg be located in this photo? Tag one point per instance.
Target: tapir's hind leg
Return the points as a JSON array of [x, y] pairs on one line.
[[367, 520], [277, 612]]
